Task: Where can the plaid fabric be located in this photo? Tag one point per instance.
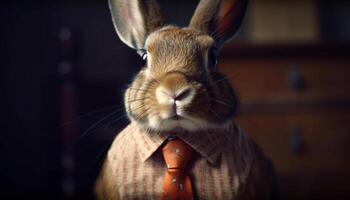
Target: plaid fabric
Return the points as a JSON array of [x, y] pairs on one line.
[[135, 168]]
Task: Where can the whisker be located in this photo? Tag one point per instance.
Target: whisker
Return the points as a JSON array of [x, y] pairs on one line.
[[143, 114], [139, 89], [221, 102], [105, 147], [217, 115], [97, 123], [131, 101], [225, 78], [89, 114], [114, 121], [133, 110]]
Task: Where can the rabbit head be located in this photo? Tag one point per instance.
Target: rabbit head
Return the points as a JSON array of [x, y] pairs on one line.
[[180, 85]]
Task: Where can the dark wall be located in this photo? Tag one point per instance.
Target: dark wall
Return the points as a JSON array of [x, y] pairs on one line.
[[29, 139], [31, 133], [37, 158]]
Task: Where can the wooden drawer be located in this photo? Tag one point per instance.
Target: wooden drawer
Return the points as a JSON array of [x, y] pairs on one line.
[[289, 81], [310, 151], [302, 143], [295, 104]]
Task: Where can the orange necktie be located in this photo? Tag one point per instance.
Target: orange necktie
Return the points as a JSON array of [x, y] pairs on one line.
[[177, 184]]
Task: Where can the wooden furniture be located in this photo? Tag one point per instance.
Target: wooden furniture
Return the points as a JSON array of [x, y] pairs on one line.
[[295, 103]]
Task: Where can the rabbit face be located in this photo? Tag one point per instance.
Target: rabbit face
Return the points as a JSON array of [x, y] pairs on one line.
[[179, 86]]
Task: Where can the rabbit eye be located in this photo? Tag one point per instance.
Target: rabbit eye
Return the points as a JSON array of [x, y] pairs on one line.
[[144, 56]]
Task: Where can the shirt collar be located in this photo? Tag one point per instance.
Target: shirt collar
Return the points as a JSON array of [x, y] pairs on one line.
[[209, 144]]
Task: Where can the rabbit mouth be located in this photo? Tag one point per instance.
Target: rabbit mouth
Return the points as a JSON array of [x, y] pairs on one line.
[[173, 123], [182, 120], [175, 100], [175, 117]]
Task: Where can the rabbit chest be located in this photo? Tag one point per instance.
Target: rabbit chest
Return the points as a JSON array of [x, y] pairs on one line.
[[135, 168]]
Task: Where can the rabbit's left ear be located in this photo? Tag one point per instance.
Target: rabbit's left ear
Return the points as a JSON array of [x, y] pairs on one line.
[[219, 18], [134, 20]]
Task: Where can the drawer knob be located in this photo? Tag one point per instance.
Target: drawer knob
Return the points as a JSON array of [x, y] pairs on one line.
[[296, 142], [295, 79]]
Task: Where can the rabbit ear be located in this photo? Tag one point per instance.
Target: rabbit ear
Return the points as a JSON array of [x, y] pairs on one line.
[[219, 18], [134, 20]]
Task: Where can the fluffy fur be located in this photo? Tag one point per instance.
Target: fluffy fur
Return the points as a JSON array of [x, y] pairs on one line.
[[180, 87], [177, 59]]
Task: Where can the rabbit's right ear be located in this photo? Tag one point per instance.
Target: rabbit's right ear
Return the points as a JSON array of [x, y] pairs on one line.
[[219, 18], [134, 20]]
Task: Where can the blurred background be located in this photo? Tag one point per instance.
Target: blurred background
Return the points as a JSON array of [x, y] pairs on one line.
[[64, 71]]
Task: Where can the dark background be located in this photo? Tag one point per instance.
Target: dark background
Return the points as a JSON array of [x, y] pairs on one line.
[[62, 70]]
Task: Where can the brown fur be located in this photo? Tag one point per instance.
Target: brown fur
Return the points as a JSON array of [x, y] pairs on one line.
[[178, 58], [188, 49], [135, 19]]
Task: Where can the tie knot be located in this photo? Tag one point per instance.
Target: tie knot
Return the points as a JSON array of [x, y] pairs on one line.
[[177, 154]]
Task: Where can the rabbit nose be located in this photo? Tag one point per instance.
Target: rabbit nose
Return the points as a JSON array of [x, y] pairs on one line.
[[174, 89], [177, 97]]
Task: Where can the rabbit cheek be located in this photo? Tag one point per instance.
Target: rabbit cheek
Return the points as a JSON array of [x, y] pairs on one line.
[[198, 108], [137, 104], [165, 111], [154, 122], [137, 110], [227, 101]]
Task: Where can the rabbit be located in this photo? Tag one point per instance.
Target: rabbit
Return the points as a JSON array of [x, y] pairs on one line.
[[181, 91]]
